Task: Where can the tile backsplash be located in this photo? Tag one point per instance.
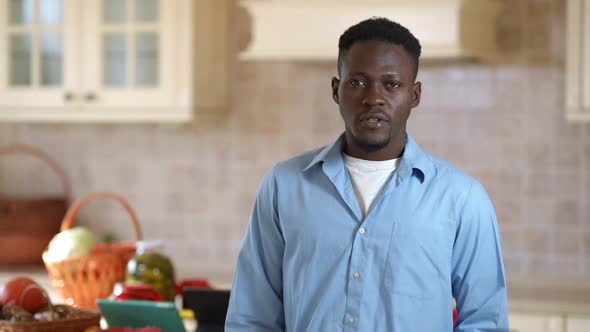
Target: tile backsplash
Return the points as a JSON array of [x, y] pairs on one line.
[[193, 185]]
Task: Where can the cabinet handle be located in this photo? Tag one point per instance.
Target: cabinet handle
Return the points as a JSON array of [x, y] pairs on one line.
[[68, 96], [90, 97]]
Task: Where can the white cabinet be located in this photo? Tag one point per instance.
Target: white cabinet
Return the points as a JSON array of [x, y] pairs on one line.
[[36, 54], [533, 322], [578, 324], [577, 72], [447, 29], [96, 60]]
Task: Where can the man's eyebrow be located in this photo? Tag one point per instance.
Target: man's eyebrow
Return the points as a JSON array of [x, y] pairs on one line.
[[356, 73], [392, 74]]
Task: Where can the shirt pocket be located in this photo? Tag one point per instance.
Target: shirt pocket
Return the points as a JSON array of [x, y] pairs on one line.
[[419, 257]]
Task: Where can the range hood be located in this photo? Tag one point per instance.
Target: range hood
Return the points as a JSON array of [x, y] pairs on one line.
[[309, 29]]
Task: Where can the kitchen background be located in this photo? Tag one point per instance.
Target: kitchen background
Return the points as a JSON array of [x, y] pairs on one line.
[[193, 185]]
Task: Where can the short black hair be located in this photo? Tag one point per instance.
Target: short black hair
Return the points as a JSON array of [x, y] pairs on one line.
[[382, 29]]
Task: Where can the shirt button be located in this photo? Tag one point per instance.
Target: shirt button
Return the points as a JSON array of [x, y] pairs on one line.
[[349, 320], [356, 275], [362, 230]]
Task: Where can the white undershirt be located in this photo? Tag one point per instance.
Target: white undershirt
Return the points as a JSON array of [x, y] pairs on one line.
[[368, 177]]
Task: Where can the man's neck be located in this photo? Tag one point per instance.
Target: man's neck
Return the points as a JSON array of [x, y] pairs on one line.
[[393, 150]]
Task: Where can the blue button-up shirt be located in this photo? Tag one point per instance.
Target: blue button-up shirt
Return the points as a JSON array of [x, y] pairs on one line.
[[310, 262]]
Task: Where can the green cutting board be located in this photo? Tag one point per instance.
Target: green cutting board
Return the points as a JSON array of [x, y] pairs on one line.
[[138, 313]]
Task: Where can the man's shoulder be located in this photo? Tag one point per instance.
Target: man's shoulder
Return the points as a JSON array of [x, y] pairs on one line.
[[297, 163], [462, 186], [447, 172]]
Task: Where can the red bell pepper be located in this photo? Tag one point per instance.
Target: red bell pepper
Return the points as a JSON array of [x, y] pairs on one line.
[[196, 282]]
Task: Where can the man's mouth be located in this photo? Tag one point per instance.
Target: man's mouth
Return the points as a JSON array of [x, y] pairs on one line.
[[374, 115], [372, 122]]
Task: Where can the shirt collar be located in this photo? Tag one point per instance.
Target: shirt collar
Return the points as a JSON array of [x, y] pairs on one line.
[[414, 161], [329, 154]]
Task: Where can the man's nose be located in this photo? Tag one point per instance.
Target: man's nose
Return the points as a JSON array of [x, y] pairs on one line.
[[373, 96]]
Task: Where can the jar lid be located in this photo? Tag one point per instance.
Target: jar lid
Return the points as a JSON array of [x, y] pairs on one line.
[[146, 246]]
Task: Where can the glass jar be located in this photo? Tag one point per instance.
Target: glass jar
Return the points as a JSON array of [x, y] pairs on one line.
[[150, 266]]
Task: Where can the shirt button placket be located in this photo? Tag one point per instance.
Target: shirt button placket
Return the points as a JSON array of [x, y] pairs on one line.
[[355, 289]]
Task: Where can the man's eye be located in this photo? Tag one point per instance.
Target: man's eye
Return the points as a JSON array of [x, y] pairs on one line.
[[356, 82], [392, 85]]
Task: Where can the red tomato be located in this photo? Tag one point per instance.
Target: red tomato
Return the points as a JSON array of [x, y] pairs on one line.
[[34, 299], [139, 292]]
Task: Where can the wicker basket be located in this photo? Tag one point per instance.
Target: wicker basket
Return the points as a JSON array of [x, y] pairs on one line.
[[79, 323], [83, 279], [74, 324], [29, 223]]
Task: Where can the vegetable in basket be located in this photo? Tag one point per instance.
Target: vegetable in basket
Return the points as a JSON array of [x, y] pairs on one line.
[[75, 241]]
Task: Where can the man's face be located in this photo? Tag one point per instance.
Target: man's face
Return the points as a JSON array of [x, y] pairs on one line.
[[375, 94]]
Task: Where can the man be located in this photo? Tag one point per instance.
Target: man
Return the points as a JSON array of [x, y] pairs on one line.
[[370, 233]]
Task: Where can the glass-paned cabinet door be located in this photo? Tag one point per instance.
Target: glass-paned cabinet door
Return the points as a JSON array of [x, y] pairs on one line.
[[37, 54], [130, 54]]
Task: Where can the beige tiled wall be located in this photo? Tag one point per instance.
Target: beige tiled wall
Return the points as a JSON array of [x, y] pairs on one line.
[[193, 185]]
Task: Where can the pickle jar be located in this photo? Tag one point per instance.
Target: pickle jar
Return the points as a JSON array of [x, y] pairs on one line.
[[152, 267]]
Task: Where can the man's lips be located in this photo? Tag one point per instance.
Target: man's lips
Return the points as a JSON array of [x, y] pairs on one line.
[[373, 120], [374, 117]]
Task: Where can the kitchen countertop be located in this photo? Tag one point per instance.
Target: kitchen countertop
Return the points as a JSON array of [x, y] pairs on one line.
[[39, 274], [544, 295], [539, 295]]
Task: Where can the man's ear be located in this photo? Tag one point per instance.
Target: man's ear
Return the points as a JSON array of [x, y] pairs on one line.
[[416, 94], [335, 85]]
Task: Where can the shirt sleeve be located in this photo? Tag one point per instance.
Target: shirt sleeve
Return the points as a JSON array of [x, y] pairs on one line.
[[478, 278], [256, 301]]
